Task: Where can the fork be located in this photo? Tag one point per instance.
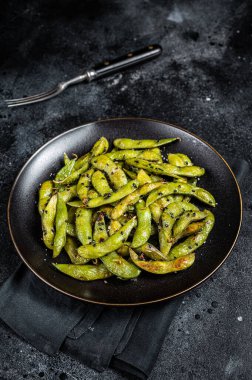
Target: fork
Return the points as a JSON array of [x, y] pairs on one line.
[[105, 68]]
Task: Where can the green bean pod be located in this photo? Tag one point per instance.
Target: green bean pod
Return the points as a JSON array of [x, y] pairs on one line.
[[122, 155], [163, 267], [100, 183], [185, 219], [83, 225], [179, 159], [182, 189], [111, 244], [47, 219], [84, 184], [125, 143], [71, 249], [195, 241], [143, 229], [166, 169], [84, 272], [133, 198], [115, 173], [60, 226], [45, 193], [113, 197]]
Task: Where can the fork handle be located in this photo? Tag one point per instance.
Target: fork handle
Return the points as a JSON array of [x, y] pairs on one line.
[[108, 67]]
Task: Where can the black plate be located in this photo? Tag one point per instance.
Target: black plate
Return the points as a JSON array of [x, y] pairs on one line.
[[25, 228]]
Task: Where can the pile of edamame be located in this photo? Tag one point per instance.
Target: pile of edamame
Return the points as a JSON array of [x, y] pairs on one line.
[[106, 208]]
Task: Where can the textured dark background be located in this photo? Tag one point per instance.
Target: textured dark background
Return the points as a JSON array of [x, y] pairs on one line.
[[201, 82]]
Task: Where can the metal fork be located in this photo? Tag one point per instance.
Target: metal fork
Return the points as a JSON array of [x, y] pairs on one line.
[[105, 68]]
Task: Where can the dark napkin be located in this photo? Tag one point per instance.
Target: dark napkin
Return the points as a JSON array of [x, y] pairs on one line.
[[128, 339]]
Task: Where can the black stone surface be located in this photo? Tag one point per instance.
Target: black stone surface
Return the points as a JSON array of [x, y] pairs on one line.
[[202, 82]]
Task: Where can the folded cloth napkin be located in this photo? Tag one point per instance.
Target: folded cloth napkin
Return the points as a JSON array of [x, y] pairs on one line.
[[96, 335]]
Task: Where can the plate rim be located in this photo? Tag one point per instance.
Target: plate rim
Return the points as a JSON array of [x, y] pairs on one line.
[[170, 297]]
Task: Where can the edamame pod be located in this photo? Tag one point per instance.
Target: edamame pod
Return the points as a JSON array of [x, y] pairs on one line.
[[116, 196], [71, 229], [151, 251], [64, 172], [185, 219], [68, 193], [195, 241], [183, 189], [143, 229], [192, 229], [100, 147], [115, 173], [48, 218], [45, 193], [141, 144], [111, 244], [166, 169], [84, 272], [75, 175], [163, 267], [71, 249], [100, 183], [71, 214], [83, 225], [143, 177], [120, 267], [114, 226], [60, 226], [100, 232], [66, 159], [168, 220], [133, 198], [179, 159], [122, 155], [84, 184]]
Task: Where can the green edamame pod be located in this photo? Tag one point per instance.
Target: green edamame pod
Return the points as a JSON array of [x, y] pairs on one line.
[[115, 173], [168, 219], [120, 267], [143, 177], [47, 219], [100, 183], [192, 229], [130, 173], [75, 204], [193, 242], [179, 159], [71, 249], [156, 211], [100, 147], [45, 193], [114, 226], [100, 231], [60, 226], [111, 244], [82, 161], [163, 267], [151, 251], [73, 177], [182, 189], [71, 229], [68, 193], [83, 225], [84, 184], [122, 155], [185, 219], [151, 155], [143, 229], [166, 169], [84, 272], [92, 194], [133, 198], [64, 172], [141, 144], [113, 197]]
